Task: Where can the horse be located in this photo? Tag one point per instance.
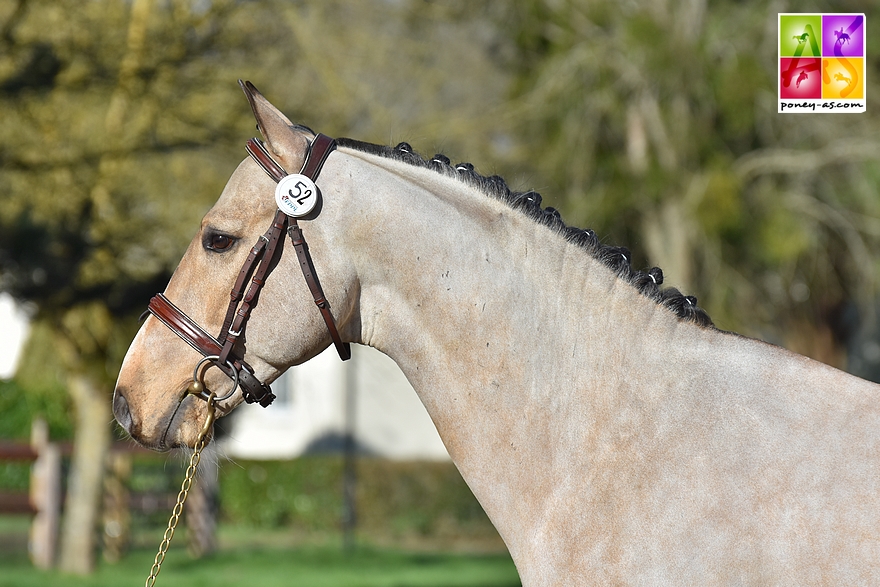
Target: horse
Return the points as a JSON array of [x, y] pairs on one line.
[[610, 431]]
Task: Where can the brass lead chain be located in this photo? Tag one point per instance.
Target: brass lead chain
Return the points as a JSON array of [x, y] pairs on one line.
[[201, 442]]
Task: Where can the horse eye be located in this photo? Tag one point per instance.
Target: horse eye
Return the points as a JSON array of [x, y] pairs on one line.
[[219, 242]]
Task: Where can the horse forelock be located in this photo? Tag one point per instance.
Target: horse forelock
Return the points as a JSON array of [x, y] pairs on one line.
[[618, 259]]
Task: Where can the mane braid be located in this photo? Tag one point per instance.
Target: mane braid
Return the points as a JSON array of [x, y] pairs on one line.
[[618, 259]]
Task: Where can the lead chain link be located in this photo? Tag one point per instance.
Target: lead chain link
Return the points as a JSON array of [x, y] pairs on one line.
[[176, 512]]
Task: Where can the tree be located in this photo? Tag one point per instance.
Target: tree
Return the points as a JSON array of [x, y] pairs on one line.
[[87, 232], [657, 124]]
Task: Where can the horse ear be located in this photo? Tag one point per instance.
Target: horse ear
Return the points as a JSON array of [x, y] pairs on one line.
[[282, 137]]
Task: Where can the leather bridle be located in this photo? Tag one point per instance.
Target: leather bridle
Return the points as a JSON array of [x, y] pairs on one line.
[[220, 352]]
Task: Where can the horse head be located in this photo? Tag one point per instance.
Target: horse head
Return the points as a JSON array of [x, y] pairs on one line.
[[283, 328]]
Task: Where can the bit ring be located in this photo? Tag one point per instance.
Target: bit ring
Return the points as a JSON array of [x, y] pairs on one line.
[[199, 373]]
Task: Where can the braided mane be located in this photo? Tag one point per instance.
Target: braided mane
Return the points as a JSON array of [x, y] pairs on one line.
[[618, 259]]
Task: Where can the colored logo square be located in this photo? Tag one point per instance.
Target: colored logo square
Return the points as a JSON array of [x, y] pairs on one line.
[[843, 35], [822, 65], [842, 78], [801, 78], [800, 34]]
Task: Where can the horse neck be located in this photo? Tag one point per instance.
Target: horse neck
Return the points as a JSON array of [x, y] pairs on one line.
[[498, 322], [512, 337]]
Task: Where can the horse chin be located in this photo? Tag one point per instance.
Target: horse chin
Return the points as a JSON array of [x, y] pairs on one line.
[[185, 424], [177, 427]]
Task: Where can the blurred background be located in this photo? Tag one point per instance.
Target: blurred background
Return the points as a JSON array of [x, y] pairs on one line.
[[653, 122]]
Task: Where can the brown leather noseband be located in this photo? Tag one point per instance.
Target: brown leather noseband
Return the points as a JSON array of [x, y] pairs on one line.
[[220, 351]]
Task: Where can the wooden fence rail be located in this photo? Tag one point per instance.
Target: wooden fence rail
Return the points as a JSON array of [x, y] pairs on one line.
[[44, 497]]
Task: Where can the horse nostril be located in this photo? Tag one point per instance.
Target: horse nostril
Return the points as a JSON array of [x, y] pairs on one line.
[[121, 410]]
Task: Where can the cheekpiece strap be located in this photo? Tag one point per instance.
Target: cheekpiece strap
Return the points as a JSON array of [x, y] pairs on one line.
[[319, 150]]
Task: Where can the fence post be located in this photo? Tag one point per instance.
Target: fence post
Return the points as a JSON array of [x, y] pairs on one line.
[[45, 496], [116, 514]]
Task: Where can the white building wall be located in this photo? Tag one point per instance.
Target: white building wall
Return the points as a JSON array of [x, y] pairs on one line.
[[310, 412], [14, 329], [391, 420]]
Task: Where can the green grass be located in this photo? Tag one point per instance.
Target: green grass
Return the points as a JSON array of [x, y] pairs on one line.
[[276, 566], [417, 525]]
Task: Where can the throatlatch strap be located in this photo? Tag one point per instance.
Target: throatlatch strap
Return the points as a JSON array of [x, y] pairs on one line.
[[308, 270]]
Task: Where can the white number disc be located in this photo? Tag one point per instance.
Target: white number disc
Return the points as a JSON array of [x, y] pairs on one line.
[[296, 195]]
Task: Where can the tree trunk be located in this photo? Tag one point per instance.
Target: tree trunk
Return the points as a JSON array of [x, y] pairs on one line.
[[201, 507], [90, 447]]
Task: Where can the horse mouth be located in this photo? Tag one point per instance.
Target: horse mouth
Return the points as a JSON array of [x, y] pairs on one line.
[[163, 442], [187, 411], [182, 420]]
